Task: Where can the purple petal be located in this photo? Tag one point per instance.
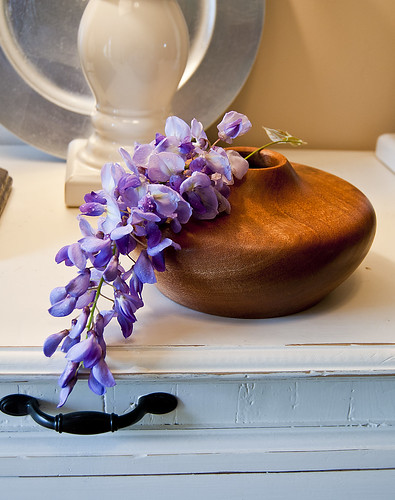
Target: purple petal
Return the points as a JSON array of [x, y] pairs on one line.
[[69, 373], [85, 227], [85, 299], [120, 285], [92, 209], [121, 231], [128, 160], [102, 258], [218, 161], [166, 242], [65, 392], [162, 166], [142, 153], [198, 164], [113, 215], [77, 256], [102, 374], [223, 203], [126, 326], [238, 164], [140, 230], [165, 199], [95, 197], [196, 203], [144, 269], [184, 211], [111, 271], [80, 284], [139, 215], [175, 225], [196, 180], [126, 244], [111, 173], [199, 134], [232, 125], [87, 350], [178, 128], [199, 192], [95, 386], [175, 182], [91, 244], [62, 255], [63, 307], [135, 285], [158, 262], [126, 305], [187, 148], [51, 343], [68, 343], [80, 324], [127, 189], [107, 316], [59, 293], [154, 234]]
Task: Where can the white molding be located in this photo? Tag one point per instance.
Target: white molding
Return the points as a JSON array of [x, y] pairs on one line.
[[182, 361], [196, 451]]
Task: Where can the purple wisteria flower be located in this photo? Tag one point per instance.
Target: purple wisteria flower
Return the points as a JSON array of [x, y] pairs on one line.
[[177, 176], [232, 125]]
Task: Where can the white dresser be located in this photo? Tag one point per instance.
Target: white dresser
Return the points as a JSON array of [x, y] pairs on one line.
[[295, 407]]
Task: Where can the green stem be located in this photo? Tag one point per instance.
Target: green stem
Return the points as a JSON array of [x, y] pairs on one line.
[[90, 320], [262, 147], [105, 297]]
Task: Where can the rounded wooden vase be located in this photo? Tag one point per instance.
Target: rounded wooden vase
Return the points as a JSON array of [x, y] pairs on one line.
[[293, 235]]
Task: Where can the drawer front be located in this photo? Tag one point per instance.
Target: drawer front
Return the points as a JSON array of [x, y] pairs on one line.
[[223, 402], [369, 485]]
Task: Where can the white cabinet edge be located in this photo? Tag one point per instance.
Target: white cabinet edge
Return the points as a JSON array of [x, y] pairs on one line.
[[302, 360]]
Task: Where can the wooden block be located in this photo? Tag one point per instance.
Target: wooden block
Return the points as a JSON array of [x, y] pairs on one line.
[[5, 188]]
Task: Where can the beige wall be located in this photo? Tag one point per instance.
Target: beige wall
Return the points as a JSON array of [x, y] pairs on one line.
[[325, 71]]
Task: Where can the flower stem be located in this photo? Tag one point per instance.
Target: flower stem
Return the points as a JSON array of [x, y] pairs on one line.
[[90, 320], [105, 297], [138, 241], [262, 147]]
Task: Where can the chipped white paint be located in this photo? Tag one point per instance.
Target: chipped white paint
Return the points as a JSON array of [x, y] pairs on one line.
[[314, 391]]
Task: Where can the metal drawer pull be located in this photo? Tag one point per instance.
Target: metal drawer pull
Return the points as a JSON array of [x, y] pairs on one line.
[[88, 422]]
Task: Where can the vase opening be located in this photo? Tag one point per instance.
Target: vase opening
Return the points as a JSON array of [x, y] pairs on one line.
[[264, 159]]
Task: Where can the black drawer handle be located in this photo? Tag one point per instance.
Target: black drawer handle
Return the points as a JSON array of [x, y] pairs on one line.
[[88, 422]]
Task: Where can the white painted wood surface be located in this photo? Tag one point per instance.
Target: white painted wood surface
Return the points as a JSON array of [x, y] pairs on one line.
[[352, 331], [340, 485], [219, 464], [263, 404], [180, 451]]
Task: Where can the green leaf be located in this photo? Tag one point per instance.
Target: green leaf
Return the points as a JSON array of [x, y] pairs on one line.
[[280, 136]]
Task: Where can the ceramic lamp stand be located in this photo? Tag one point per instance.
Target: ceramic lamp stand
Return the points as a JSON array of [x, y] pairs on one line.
[[133, 55]]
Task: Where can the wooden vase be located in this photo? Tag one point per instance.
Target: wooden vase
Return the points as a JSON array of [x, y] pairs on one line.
[[293, 235]]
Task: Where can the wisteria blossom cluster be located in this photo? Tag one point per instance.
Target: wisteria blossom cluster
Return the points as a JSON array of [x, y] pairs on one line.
[[177, 176]]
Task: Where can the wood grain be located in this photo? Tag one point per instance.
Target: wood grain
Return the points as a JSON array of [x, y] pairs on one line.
[[294, 234]]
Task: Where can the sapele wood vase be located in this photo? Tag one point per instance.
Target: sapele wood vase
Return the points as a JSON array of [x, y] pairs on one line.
[[293, 235]]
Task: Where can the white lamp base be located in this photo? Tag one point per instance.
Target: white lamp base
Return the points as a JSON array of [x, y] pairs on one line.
[[133, 55], [385, 150], [80, 178]]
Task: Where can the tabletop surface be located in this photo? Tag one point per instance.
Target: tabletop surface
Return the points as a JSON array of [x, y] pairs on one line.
[[351, 331]]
